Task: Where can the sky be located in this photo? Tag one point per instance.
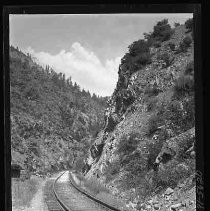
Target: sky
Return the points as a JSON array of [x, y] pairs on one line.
[[86, 47]]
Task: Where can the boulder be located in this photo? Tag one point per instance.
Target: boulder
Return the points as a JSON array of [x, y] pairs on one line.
[[167, 197], [148, 206], [169, 191], [156, 206], [153, 200], [192, 154], [182, 167], [175, 207]]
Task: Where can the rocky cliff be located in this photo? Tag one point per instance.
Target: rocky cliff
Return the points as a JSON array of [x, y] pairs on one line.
[[148, 141]]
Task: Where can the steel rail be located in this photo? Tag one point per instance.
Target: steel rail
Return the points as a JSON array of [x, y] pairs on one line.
[[92, 197], [56, 195], [66, 208]]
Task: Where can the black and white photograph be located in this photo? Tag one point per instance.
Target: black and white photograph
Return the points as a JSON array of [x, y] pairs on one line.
[[102, 112]]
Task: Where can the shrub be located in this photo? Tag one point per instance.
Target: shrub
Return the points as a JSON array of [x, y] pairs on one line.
[[138, 47], [184, 84], [173, 172], [128, 98], [134, 170], [171, 46], [79, 164], [112, 170], [189, 70], [182, 47], [165, 57], [187, 41], [154, 149], [162, 31], [32, 92], [151, 103], [135, 163], [157, 44], [151, 91], [185, 44], [143, 59], [189, 24], [128, 143], [173, 114], [192, 34], [136, 176], [147, 36], [153, 123], [176, 24], [188, 119], [180, 118], [138, 56]]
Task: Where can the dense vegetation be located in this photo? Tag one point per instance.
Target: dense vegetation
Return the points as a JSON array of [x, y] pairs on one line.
[[138, 56], [189, 24], [161, 32], [52, 119]]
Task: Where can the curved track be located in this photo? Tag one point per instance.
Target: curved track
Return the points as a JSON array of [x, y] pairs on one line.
[[56, 195], [73, 198]]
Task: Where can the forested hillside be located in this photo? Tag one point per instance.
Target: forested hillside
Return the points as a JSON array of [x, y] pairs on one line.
[[52, 119], [145, 153]]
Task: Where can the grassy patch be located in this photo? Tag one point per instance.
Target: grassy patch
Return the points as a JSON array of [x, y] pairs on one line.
[[153, 123], [183, 85], [95, 187], [112, 171], [99, 190], [151, 103], [174, 172], [23, 191], [110, 199], [185, 44]]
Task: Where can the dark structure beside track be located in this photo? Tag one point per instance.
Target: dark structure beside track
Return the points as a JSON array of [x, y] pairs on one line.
[[15, 170]]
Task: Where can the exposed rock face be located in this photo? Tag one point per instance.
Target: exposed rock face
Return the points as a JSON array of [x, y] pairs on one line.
[[111, 121], [96, 150]]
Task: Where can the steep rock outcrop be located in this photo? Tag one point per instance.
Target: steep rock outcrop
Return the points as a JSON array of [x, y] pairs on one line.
[[148, 115]]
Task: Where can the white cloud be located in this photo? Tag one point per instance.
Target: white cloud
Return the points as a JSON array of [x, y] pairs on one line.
[[84, 67]]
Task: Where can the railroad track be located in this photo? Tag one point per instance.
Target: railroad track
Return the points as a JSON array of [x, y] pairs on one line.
[[69, 197]]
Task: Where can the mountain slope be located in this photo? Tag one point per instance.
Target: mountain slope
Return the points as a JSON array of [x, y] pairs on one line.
[[52, 120], [147, 143]]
